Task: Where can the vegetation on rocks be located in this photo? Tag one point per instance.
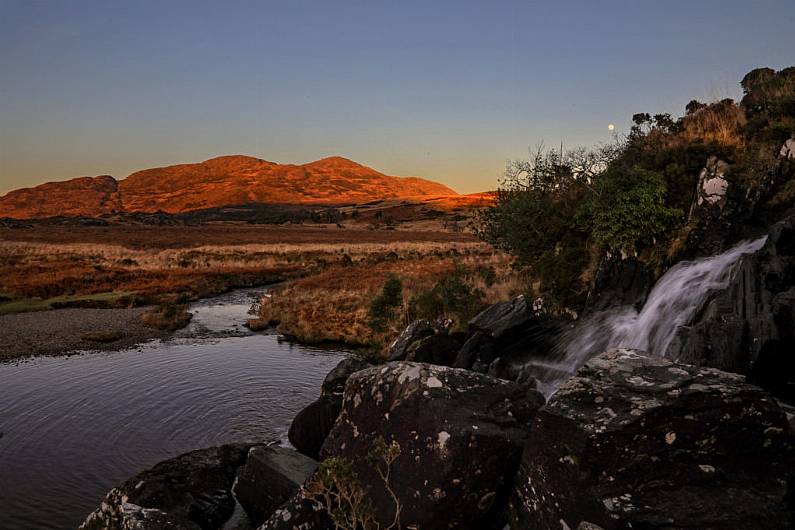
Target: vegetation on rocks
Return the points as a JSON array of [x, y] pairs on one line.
[[558, 211]]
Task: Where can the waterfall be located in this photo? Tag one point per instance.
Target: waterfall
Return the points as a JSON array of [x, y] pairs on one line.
[[672, 303]]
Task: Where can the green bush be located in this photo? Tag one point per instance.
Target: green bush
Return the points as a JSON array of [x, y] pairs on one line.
[[383, 308], [451, 297]]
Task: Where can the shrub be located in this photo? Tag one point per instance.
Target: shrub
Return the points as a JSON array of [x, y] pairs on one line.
[[451, 297], [383, 307]]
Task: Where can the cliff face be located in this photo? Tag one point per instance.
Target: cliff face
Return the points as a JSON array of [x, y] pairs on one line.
[[223, 181]]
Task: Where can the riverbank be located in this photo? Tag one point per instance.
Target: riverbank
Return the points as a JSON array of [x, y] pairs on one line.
[[63, 331]]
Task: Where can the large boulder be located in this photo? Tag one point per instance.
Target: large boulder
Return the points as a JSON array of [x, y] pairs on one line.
[[312, 424], [187, 492], [414, 332], [441, 349], [749, 327], [619, 281], [270, 477], [633, 441], [439, 443]]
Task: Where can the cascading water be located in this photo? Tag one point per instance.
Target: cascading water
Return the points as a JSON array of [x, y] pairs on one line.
[[672, 303]]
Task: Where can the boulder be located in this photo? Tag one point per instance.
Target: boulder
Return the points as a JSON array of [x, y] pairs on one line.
[[187, 492], [633, 441], [416, 331], [441, 349], [270, 477], [477, 346], [311, 425], [334, 383], [502, 318], [436, 446], [298, 513], [620, 281]]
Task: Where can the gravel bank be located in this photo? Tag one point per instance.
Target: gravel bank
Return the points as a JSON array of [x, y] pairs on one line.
[[62, 331]]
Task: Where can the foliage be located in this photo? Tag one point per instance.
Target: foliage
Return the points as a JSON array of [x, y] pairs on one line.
[[453, 296], [384, 306], [336, 489], [629, 209]]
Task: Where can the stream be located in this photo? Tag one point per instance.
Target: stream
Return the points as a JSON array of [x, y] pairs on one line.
[[73, 427]]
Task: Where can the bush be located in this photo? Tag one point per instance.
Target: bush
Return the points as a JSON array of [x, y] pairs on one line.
[[383, 307], [451, 297]]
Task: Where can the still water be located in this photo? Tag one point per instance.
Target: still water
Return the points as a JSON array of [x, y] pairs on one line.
[[73, 427]]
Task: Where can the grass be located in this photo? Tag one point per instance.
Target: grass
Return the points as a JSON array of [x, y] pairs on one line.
[[332, 305], [23, 305]]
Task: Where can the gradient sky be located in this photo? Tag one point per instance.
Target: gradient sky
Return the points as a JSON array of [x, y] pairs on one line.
[[444, 90]]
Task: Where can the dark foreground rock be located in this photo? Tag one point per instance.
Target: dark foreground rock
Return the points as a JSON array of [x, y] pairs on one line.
[[638, 442], [439, 444], [270, 477], [188, 492], [311, 425]]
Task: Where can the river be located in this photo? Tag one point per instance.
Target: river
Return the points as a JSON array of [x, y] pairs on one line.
[[73, 427]]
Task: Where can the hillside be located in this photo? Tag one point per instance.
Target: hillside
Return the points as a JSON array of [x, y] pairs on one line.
[[222, 181]]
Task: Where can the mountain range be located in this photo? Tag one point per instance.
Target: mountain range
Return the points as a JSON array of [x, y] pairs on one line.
[[218, 182]]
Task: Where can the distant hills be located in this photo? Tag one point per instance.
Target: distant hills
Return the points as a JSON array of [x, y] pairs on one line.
[[215, 183]]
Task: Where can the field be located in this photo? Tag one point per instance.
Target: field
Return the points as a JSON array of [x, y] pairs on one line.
[[328, 275]]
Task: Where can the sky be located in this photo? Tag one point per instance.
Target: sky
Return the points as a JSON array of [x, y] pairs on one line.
[[448, 90]]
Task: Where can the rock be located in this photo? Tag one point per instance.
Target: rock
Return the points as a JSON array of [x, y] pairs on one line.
[[416, 331], [311, 426], [440, 349], [298, 513], [619, 281], [477, 345], [749, 327], [334, 383], [187, 492], [457, 437], [788, 149], [270, 477], [633, 441], [501, 318]]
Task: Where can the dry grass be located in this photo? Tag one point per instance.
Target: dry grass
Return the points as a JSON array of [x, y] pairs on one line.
[[38, 265], [332, 306], [720, 122]]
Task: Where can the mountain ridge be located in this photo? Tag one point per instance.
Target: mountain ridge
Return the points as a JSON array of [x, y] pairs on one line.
[[220, 181]]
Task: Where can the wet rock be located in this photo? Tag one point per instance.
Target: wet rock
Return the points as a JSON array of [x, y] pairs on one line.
[[458, 437], [310, 427], [187, 492], [414, 332], [749, 327], [270, 477], [619, 281], [633, 441], [477, 345]]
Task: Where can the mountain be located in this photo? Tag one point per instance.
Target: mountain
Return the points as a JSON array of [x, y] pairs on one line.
[[222, 181]]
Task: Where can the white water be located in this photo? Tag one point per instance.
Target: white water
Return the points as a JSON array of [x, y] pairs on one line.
[[672, 303]]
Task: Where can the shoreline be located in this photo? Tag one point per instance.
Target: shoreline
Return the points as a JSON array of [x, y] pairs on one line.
[[61, 332]]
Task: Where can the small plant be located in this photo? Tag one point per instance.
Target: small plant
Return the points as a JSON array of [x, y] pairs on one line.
[[167, 316], [383, 308]]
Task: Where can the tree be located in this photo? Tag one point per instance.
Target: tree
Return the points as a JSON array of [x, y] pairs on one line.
[[383, 307]]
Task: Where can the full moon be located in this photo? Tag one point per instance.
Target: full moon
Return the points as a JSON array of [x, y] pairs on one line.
[[610, 127]]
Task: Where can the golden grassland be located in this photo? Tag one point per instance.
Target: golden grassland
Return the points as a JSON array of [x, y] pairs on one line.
[[332, 305], [61, 266]]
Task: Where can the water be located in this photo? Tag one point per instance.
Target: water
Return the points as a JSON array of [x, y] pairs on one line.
[[73, 427], [672, 303]]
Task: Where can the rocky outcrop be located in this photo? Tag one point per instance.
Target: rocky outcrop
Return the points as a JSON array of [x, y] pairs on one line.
[[438, 444], [188, 492], [506, 335], [312, 424], [619, 281], [271, 476], [414, 332], [633, 441], [749, 327]]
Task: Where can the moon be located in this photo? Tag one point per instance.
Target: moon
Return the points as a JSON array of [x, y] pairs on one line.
[[610, 126]]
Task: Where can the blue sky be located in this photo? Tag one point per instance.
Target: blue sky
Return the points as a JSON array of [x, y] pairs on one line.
[[445, 90]]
